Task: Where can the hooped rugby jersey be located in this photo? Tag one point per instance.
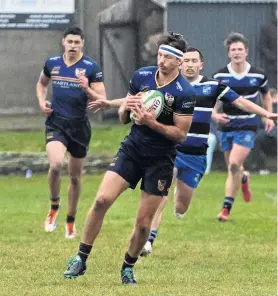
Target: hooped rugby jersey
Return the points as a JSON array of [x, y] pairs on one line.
[[179, 98], [69, 100], [247, 84], [208, 91]]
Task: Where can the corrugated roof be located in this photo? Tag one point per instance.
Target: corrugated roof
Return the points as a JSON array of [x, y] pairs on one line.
[[221, 1]]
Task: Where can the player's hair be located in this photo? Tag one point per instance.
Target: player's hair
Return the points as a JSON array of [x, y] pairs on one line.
[[74, 31], [193, 49], [235, 37], [173, 39]]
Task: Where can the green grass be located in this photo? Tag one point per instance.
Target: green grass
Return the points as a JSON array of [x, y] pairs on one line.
[[196, 257], [104, 139]]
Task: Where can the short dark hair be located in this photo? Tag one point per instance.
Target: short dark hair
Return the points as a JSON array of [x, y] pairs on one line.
[[193, 49], [74, 31], [173, 39], [235, 37]]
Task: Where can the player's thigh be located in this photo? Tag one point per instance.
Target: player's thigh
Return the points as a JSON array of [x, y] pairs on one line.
[[183, 193], [190, 168], [238, 154], [56, 151], [158, 174], [79, 139], [111, 186], [245, 139], [56, 144], [128, 166], [226, 141]]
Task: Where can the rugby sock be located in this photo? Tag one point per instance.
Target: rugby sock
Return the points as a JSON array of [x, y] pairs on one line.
[[54, 203], [228, 203], [84, 251], [153, 236], [70, 219], [128, 261], [244, 179]]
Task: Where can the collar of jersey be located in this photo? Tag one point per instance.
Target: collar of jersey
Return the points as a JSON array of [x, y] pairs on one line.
[[160, 86], [68, 66], [198, 80], [236, 75]]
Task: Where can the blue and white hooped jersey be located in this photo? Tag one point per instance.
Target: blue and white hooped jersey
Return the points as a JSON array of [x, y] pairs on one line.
[[208, 91], [69, 100], [247, 84]]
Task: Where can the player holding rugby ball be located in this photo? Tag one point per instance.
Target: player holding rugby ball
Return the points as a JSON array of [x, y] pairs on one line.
[[146, 154]]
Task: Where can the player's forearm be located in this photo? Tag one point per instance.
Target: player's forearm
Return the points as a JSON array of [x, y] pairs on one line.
[[124, 115], [218, 106], [169, 131], [267, 102], [116, 103], [41, 91], [93, 95], [250, 107]]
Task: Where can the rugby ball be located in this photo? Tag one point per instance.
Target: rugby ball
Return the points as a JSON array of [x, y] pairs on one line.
[[152, 100]]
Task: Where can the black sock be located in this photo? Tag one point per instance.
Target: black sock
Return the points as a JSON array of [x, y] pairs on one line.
[[228, 203], [84, 251], [70, 219], [54, 203], [244, 179], [128, 261], [153, 236]]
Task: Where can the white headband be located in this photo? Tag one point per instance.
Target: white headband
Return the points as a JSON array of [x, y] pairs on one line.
[[171, 50]]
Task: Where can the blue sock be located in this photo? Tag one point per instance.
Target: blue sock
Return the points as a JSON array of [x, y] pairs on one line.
[[228, 203], [153, 236], [244, 179]]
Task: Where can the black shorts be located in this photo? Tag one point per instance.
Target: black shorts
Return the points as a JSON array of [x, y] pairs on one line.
[[75, 134], [156, 172]]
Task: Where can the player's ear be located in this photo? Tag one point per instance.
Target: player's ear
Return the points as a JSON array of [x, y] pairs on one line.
[[202, 66], [247, 51], [63, 41], [180, 61]]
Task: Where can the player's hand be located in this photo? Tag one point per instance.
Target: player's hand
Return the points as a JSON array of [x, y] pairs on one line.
[[46, 108], [269, 123], [133, 101], [98, 105], [221, 118], [142, 116], [84, 82]]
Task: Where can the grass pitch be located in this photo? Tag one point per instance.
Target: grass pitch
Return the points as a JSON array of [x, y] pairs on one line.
[[196, 257]]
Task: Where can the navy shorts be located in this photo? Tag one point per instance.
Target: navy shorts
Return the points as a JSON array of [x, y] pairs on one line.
[[156, 172], [75, 134]]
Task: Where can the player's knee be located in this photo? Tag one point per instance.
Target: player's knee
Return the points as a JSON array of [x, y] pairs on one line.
[[102, 204], [179, 211], [143, 229], [143, 225], [74, 180], [234, 168], [55, 169]]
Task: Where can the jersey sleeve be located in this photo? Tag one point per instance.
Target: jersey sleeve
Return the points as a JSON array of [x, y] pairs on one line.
[[46, 70], [184, 105], [96, 74], [264, 87], [134, 85], [226, 94]]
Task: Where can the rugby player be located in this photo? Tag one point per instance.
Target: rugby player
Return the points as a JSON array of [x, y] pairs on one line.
[[76, 79], [146, 154]]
